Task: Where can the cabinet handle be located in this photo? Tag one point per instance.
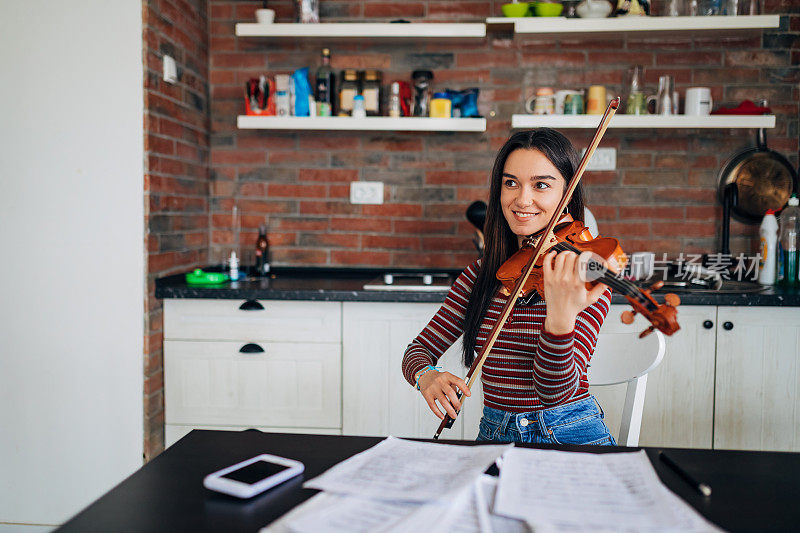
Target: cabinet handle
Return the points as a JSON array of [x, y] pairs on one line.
[[251, 348], [251, 305], [728, 325], [708, 324]]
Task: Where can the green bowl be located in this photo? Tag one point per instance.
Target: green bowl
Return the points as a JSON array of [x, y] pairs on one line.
[[198, 277], [515, 9], [547, 9]]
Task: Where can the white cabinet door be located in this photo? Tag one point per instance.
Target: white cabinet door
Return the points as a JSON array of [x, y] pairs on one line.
[[678, 407], [758, 376], [377, 400], [287, 385]]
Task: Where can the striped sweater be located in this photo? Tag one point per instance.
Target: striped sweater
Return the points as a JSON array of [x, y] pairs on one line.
[[528, 369]]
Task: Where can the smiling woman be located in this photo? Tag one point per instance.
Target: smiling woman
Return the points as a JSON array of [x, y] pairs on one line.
[[534, 379]]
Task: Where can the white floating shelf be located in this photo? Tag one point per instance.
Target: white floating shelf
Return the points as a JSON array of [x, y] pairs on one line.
[[561, 25], [644, 121], [361, 124], [357, 30]]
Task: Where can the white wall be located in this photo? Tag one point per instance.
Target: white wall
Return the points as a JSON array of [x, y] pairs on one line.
[[71, 249]]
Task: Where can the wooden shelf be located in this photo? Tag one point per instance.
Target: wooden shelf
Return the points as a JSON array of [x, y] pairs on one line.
[[635, 25], [362, 124], [360, 30], [644, 121]]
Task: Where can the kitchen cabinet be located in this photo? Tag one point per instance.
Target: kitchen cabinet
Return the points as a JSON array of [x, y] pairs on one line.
[[679, 400], [377, 400], [232, 364], [757, 398]]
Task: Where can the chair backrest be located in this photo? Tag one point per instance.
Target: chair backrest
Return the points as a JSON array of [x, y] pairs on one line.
[[625, 358]]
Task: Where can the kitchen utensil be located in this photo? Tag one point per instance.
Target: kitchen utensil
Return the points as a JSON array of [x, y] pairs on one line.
[[476, 214], [547, 9], [753, 181], [698, 101], [661, 103], [596, 100], [515, 9], [592, 9]]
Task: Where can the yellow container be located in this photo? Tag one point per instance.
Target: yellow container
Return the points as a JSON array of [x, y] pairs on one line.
[[440, 106]]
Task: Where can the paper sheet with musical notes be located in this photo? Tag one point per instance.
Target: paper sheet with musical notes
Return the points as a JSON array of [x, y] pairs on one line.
[[570, 491]]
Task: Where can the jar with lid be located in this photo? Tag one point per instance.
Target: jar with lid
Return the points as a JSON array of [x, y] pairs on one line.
[[422, 92], [441, 106], [371, 90], [349, 88]]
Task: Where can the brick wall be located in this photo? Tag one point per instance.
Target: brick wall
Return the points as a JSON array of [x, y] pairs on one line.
[[662, 197], [176, 173]]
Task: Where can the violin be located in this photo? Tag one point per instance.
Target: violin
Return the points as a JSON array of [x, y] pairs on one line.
[[520, 267], [571, 235]]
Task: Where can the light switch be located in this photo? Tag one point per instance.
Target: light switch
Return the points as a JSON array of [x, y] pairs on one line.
[[366, 192]]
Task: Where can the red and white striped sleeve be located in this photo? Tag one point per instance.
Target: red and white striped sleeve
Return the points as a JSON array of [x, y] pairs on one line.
[[444, 328], [562, 360]]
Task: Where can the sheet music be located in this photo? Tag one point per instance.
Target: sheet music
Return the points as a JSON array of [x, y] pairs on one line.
[[401, 470], [568, 491]]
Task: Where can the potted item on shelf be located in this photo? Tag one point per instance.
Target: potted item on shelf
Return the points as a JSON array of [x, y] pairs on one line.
[[547, 8], [594, 9], [264, 15]]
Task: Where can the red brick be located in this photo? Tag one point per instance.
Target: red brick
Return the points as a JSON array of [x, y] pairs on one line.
[[448, 10], [372, 242], [485, 59], [252, 189], [651, 212], [361, 224], [421, 227], [703, 213], [258, 206], [341, 257], [695, 229], [282, 190], [299, 256], [238, 60], [361, 61], [327, 208], [329, 175], [394, 10], [393, 145], [298, 158], [235, 157], [462, 243], [331, 240], [457, 177], [552, 59], [306, 224], [693, 58], [392, 210]]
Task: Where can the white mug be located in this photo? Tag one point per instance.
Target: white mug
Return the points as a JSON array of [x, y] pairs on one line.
[[642, 265], [698, 101], [265, 16]]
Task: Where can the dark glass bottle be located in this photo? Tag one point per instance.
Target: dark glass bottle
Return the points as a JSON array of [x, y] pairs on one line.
[[326, 87], [262, 252]]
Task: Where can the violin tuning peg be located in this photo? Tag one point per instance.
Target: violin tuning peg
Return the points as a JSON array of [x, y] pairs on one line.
[[657, 285], [647, 332], [627, 317], [672, 300]]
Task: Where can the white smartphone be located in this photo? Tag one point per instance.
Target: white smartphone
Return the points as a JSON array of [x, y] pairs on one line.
[[253, 476]]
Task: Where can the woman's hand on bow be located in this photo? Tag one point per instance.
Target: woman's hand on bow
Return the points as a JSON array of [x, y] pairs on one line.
[[442, 387]]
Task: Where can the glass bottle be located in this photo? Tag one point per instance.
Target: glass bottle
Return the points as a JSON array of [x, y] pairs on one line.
[[326, 86], [394, 100], [262, 252], [349, 88], [371, 91]]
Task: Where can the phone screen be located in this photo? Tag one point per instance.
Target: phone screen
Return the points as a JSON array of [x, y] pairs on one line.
[[255, 472]]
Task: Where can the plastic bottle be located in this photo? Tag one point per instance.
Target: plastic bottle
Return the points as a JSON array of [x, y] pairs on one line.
[[262, 252], [234, 267], [767, 271], [359, 111], [789, 236]]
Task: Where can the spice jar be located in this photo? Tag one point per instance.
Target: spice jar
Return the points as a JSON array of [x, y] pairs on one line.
[[371, 90], [348, 89], [441, 106]]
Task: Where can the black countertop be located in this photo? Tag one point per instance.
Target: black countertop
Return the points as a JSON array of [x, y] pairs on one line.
[[347, 285]]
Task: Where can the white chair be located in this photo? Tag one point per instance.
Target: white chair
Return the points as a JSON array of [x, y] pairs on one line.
[[625, 358]]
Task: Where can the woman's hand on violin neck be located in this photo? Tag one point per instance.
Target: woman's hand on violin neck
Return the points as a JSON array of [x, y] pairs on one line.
[[442, 387], [565, 292]]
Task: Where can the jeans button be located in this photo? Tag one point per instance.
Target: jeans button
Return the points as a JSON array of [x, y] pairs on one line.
[[523, 422]]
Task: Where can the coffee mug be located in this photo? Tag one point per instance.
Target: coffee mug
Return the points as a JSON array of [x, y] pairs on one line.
[[573, 105], [265, 16], [596, 100], [642, 265], [561, 98], [540, 104], [698, 101]]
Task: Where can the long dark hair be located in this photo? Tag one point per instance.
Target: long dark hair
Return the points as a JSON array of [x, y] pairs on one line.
[[500, 242]]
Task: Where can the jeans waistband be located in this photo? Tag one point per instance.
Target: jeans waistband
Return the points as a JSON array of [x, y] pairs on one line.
[[550, 417]]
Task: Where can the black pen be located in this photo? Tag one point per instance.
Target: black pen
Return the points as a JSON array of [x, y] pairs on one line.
[[702, 488]]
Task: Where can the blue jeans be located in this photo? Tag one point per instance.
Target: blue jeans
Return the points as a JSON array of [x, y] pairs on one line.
[[578, 422]]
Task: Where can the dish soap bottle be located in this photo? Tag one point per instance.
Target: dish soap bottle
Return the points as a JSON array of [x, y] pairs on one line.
[[790, 232], [769, 239], [262, 252]]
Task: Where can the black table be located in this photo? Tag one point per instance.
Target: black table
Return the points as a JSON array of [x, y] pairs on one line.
[[752, 491]]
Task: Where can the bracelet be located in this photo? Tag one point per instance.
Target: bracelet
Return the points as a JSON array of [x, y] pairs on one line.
[[429, 367]]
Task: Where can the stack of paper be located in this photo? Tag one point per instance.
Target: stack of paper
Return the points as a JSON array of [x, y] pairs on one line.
[[401, 485]]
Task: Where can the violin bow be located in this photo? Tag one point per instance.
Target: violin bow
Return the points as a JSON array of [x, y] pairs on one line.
[[477, 364]]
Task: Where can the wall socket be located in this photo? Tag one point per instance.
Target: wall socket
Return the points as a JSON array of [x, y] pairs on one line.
[[366, 192], [602, 159]]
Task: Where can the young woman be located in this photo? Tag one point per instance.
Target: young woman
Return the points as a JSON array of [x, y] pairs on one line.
[[534, 379]]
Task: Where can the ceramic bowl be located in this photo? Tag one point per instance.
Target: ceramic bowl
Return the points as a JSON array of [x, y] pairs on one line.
[[515, 10], [547, 9]]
